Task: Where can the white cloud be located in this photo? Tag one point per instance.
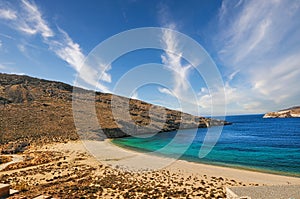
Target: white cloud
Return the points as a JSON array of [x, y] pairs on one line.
[[67, 50], [29, 20], [172, 59], [22, 48], [165, 91], [2, 67], [259, 43], [135, 95], [33, 23], [7, 36], [236, 100], [8, 14], [279, 80], [245, 27], [1, 44], [232, 75]]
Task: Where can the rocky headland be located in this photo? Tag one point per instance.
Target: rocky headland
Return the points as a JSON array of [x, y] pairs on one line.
[[37, 126], [286, 113], [37, 123], [40, 111]]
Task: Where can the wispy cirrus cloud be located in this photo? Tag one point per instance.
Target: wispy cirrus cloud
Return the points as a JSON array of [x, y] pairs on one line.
[[172, 59], [66, 49], [30, 21], [172, 56], [69, 51], [7, 36], [165, 91], [26, 18], [259, 43], [183, 73], [8, 14]]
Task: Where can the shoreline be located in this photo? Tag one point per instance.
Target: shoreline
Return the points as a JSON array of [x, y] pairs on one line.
[[124, 156], [225, 165], [106, 170]]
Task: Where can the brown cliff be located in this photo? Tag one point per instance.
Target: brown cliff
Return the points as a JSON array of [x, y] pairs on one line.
[[41, 111]]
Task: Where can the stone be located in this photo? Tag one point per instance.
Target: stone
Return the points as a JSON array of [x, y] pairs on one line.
[[4, 190]]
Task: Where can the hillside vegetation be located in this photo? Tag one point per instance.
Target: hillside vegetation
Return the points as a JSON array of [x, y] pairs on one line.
[[37, 110]]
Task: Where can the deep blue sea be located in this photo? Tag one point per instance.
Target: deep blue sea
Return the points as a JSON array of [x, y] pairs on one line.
[[251, 142]]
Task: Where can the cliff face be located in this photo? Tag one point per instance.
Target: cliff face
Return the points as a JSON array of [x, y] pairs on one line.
[[286, 113], [39, 110]]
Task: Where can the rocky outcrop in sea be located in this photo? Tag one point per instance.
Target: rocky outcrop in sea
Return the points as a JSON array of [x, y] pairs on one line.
[[286, 113]]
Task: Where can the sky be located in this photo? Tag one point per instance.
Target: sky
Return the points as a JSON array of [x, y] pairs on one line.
[[255, 46]]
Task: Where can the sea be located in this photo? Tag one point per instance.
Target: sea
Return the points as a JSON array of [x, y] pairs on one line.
[[269, 145]]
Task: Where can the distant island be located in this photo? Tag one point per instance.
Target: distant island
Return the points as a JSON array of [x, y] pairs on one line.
[[285, 113]]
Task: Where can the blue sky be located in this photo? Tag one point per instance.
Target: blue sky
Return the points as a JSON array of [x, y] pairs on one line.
[[254, 44]]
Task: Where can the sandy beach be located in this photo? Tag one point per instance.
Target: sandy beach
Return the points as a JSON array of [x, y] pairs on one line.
[[115, 155], [57, 169], [134, 161]]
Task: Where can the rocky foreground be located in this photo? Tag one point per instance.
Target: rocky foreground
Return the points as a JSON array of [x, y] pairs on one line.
[[286, 113], [67, 171]]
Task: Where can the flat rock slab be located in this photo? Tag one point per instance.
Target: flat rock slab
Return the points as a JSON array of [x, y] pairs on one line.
[[264, 192], [43, 197], [4, 190]]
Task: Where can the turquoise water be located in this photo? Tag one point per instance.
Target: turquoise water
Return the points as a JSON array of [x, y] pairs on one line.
[[270, 145]]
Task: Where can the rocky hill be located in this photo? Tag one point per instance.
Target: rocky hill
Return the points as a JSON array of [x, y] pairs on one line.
[[286, 113], [37, 110]]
